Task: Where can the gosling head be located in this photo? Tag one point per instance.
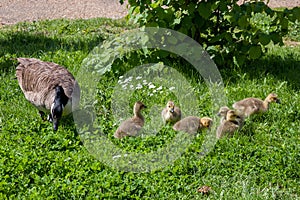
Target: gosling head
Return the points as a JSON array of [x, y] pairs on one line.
[[57, 108], [139, 106], [273, 98], [223, 111], [231, 115], [206, 122], [170, 106]]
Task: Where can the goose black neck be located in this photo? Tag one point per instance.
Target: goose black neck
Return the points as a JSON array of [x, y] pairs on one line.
[[60, 96]]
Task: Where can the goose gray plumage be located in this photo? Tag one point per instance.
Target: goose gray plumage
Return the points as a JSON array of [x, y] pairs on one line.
[[49, 87], [253, 105], [171, 113], [192, 124], [132, 126]]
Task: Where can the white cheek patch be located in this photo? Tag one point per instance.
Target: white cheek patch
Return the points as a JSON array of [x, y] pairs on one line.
[[52, 109]]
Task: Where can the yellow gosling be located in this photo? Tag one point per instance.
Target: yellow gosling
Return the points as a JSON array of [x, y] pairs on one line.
[[252, 105], [193, 124], [171, 113], [132, 126], [228, 125]]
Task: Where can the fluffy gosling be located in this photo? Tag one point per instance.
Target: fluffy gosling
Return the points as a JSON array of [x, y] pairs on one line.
[[223, 113], [193, 124], [171, 113], [132, 126], [229, 125], [252, 105]]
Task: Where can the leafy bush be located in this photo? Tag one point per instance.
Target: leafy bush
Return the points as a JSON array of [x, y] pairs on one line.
[[231, 33]]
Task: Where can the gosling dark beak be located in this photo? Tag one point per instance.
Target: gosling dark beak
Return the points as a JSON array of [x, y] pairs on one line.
[[278, 101], [172, 110], [219, 114]]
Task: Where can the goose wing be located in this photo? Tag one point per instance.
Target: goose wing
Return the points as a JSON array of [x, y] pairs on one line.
[[38, 79]]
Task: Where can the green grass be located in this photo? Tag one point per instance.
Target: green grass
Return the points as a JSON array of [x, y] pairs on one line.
[[261, 161]]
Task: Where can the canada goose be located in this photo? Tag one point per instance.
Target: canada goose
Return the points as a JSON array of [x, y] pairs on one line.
[[132, 126], [171, 113], [192, 124], [223, 112], [228, 125], [252, 105], [49, 87]]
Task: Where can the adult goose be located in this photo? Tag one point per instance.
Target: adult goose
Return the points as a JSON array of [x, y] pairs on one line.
[[50, 87]]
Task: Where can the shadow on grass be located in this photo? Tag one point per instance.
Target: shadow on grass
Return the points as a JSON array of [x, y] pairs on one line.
[[24, 44], [283, 65]]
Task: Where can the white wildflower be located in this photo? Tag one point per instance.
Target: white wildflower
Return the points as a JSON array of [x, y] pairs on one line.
[[121, 77], [145, 82], [159, 88], [139, 86], [128, 79], [138, 77], [124, 86], [171, 88], [151, 86], [131, 86]]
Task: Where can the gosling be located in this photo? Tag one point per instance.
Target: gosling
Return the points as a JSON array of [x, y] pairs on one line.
[[250, 106], [223, 112], [229, 125], [132, 126], [192, 124], [171, 113]]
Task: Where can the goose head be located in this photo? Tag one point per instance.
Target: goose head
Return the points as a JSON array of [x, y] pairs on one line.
[[206, 122], [58, 105], [273, 98], [170, 106]]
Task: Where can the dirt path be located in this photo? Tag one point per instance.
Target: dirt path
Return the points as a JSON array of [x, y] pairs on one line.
[[12, 11]]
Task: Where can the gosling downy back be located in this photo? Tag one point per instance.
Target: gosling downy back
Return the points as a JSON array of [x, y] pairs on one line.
[[253, 105], [132, 126], [49, 87], [228, 125], [171, 113], [192, 124]]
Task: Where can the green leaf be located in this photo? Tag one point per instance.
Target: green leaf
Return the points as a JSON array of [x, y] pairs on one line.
[[264, 39], [255, 52], [243, 22], [204, 10]]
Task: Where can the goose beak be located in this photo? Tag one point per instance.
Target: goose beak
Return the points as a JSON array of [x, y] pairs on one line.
[[219, 114], [172, 110], [55, 124]]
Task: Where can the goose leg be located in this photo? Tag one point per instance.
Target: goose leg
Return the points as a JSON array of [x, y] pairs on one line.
[[42, 114]]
